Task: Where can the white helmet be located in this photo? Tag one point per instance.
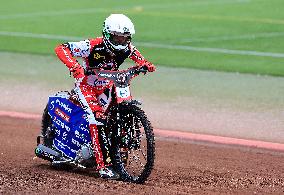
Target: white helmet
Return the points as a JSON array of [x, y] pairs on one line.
[[117, 32]]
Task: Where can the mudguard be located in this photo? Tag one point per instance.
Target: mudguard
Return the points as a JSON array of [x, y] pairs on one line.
[[70, 122]]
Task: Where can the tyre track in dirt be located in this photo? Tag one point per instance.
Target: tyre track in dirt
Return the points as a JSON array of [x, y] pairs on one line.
[[180, 168]]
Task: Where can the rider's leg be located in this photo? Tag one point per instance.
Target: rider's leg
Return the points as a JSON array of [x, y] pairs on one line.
[[87, 95], [99, 139]]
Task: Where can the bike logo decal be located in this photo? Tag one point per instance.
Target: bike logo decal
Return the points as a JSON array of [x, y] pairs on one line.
[[64, 136], [108, 160], [98, 82], [123, 92], [75, 142], [84, 128], [60, 124], [98, 56], [100, 115], [65, 106], [106, 75], [52, 105], [85, 116], [60, 113], [103, 102], [125, 29]]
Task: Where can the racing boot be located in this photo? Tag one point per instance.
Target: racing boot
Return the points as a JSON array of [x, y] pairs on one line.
[[108, 173]]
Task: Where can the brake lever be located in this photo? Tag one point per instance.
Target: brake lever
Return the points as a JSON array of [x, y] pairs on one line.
[[142, 70], [90, 72]]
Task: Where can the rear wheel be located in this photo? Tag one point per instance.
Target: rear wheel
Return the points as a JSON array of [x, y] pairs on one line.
[[46, 129], [134, 143], [48, 133]]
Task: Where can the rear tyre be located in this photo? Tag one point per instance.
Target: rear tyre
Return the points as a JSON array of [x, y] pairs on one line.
[[46, 129]]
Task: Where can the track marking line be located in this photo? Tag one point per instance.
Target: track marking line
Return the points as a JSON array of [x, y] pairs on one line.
[[40, 36], [213, 50], [55, 13], [232, 38], [176, 4], [20, 115], [219, 140], [107, 10], [151, 45], [211, 17], [180, 135], [134, 10]]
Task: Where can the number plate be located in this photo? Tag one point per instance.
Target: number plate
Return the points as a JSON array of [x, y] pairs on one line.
[[123, 92]]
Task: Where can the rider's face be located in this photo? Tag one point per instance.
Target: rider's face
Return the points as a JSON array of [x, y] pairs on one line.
[[121, 40]]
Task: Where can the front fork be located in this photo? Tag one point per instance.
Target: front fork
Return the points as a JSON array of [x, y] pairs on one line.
[[129, 132]]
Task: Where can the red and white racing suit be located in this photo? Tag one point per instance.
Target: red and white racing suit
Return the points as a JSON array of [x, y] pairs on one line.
[[95, 55]]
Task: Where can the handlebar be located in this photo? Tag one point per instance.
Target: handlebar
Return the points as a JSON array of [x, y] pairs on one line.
[[119, 77], [135, 70]]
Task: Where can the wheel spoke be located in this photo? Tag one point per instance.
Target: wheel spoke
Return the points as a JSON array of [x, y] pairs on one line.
[[135, 131]]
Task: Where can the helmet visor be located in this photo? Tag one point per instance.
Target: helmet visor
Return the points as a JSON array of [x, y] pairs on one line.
[[120, 39]]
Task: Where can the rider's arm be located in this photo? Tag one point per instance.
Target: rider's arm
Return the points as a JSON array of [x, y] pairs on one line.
[[68, 51], [137, 57]]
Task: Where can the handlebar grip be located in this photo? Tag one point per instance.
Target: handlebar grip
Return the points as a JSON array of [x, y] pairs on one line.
[[86, 72], [89, 72], [142, 69]]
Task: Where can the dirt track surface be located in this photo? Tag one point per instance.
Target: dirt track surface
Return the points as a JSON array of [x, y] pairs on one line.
[[180, 168]]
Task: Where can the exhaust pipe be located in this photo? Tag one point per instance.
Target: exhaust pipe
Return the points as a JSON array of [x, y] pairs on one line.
[[46, 153]]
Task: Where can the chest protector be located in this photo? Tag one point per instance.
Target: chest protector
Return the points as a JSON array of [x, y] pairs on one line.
[[100, 58]]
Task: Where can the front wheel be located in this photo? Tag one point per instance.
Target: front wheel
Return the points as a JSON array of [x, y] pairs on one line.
[[133, 143]]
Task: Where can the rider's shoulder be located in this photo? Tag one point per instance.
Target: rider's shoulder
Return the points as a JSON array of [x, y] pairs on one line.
[[96, 41]]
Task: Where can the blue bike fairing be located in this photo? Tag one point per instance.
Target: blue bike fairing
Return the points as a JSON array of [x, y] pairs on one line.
[[71, 125]]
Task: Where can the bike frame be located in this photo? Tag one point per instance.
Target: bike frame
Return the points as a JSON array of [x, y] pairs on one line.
[[71, 121]]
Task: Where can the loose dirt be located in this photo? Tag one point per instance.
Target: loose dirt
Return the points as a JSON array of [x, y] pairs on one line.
[[180, 168]]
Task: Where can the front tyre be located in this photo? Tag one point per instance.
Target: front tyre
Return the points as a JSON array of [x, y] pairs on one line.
[[133, 143]]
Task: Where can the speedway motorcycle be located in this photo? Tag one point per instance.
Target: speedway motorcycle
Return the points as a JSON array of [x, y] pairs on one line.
[[65, 138]]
